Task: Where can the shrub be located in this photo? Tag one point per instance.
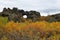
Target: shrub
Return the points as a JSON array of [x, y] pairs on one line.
[[33, 31]]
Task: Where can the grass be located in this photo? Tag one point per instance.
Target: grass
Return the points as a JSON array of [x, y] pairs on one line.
[[3, 20]]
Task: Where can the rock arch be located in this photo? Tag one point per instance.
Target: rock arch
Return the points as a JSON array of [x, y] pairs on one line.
[[16, 14]]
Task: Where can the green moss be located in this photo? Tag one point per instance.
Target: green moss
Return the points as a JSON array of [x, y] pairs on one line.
[[3, 20]]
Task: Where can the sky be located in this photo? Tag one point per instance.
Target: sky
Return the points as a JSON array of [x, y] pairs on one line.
[[30, 4]]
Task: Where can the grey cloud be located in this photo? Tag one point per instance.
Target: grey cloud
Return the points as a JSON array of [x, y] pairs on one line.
[[30, 4]]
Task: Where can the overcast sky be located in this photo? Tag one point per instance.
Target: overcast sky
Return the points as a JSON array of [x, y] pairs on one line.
[[30, 4]]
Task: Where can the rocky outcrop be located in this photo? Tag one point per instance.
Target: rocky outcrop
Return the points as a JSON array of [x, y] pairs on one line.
[[53, 18], [56, 16], [16, 15]]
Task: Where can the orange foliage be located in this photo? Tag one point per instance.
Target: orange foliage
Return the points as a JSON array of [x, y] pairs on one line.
[[35, 30], [43, 26]]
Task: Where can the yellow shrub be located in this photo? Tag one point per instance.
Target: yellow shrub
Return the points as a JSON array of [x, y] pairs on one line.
[[34, 30]]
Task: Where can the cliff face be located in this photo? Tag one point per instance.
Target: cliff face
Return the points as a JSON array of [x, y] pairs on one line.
[[16, 15]]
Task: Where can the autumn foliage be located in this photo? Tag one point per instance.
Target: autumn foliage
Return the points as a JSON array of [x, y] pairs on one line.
[[28, 30], [31, 31]]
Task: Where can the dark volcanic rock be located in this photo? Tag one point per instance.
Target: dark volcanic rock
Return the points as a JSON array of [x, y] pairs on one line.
[[53, 18], [56, 16], [16, 15]]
